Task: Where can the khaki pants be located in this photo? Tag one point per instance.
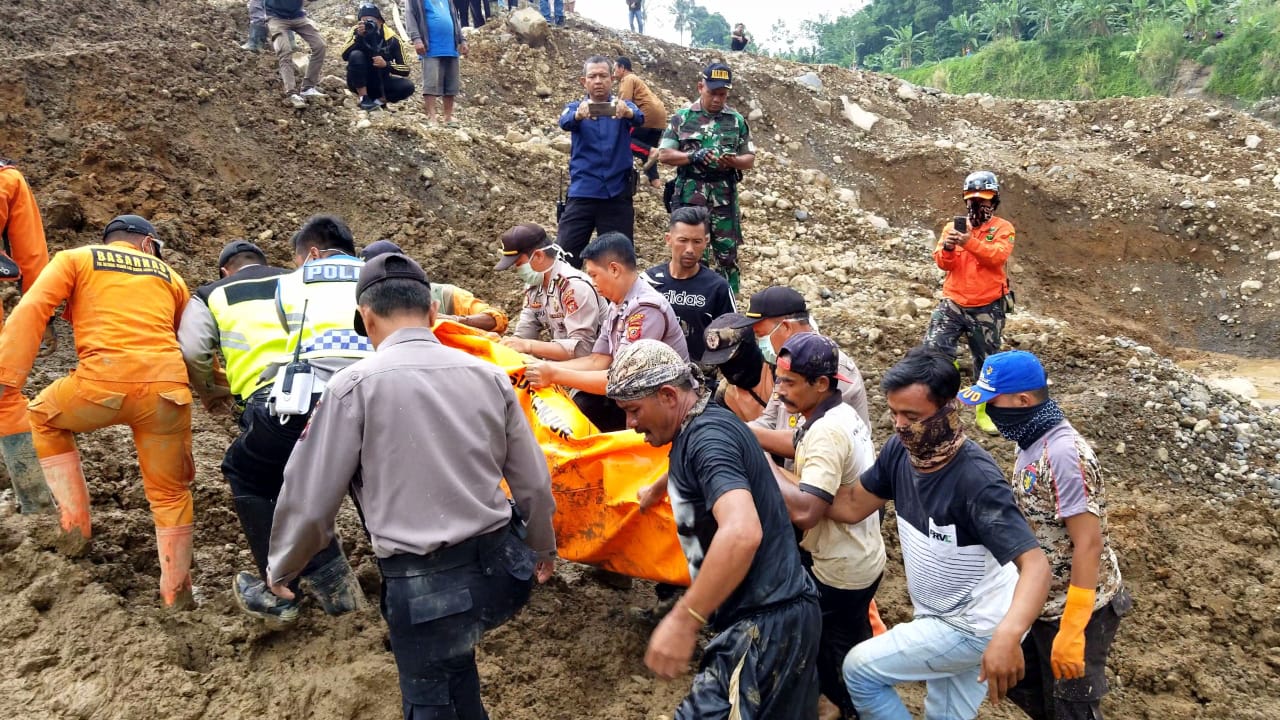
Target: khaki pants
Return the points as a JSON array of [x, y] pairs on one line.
[[277, 30], [159, 413]]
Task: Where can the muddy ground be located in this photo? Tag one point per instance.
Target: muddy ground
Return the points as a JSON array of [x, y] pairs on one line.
[[150, 107]]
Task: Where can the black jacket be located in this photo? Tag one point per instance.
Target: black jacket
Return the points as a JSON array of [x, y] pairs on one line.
[[391, 50]]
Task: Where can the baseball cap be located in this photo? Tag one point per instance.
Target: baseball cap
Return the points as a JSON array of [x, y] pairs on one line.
[[723, 336], [129, 223], [984, 194], [1013, 371], [811, 355], [776, 301], [716, 76], [520, 239], [385, 267], [379, 247], [235, 247]]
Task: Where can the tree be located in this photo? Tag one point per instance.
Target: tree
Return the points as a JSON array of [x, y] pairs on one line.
[[1094, 17], [967, 30], [683, 11], [711, 30], [1046, 15], [904, 43], [1002, 19]]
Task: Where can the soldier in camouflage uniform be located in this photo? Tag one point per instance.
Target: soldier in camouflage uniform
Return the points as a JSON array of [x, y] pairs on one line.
[[710, 144], [1057, 484]]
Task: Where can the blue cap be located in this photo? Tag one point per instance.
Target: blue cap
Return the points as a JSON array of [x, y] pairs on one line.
[[1004, 373]]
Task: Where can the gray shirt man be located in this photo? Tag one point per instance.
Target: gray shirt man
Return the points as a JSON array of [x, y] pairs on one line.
[[424, 473]]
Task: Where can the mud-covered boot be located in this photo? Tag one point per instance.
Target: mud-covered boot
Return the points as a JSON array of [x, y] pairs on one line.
[[257, 37], [254, 598], [25, 475], [65, 477], [173, 545], [335, 587], [983, 421]]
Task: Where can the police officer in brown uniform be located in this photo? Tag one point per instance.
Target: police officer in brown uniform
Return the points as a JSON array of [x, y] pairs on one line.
[[558, 298]]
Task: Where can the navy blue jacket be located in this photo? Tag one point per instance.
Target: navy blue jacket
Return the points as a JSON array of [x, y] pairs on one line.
[[285, 9], [600, 155]]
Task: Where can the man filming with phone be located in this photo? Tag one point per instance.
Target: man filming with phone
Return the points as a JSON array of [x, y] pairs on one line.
[[376, 70], [973, 251], [601, 183]]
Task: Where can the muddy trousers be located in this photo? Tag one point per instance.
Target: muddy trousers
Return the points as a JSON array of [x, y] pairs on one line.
[[983, 324], [1042, 697], [277, 31], [846, 621], [254, 468], [159, 414], [762, 667], [438, 606]]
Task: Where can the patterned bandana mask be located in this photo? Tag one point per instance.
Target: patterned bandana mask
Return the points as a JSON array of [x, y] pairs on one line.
[[979, 215], [1025, 425], [933, 441]]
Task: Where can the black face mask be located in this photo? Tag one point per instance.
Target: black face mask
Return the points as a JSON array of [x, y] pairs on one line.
[[743, 369], [979, 215], [1025, 425]]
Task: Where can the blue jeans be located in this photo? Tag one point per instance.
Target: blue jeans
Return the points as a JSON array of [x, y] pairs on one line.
[[635, 19], [925, 649], [544, 6]]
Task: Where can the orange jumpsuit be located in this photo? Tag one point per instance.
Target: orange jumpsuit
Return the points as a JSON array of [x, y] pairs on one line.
[[24, 236], [124, 306]]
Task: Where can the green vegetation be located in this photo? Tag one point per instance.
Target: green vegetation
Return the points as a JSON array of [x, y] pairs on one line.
[[1072, 49], [1048, 69]]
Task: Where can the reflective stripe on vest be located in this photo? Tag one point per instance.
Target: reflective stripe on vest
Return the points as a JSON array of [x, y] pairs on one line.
[[327, 288], [249, 331]]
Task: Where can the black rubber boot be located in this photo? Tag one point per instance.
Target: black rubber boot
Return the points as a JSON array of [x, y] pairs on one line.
[[335, 587]]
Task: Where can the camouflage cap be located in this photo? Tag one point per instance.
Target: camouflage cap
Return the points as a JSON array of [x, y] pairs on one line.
[[644, 366]]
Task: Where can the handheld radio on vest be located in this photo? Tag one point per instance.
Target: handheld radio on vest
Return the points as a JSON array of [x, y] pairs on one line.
[[294, 384]]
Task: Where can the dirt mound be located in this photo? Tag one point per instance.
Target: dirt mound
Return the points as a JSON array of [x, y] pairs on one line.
[[1134, 222]]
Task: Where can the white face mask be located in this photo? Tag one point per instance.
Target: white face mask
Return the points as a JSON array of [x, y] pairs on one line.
[[529, 276], [766, 349]]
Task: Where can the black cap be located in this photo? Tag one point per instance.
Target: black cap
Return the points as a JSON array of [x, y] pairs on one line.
[[368, 9], [385, 267], [379, 247], [811, 355], [776, 301], [716, 76], [522, 238], [129, 223], [723, 337], [235, 247]]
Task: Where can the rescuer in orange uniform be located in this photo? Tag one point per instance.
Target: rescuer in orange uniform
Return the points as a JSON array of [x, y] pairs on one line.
[[124, 304], [24, 244], [976, 289]]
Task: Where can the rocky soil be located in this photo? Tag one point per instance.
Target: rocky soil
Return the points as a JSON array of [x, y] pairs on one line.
[[1147, 234]]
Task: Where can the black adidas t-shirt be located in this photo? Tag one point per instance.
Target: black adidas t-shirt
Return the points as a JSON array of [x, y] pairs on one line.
[[697, 301]]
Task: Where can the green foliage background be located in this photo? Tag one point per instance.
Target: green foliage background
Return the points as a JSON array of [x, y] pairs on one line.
[[1047, 49]]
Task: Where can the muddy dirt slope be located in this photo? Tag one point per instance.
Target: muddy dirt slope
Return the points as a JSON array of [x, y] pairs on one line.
[[1145, 226]]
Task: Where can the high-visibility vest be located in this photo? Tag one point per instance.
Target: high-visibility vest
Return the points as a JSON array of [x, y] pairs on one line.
[[249, 331], [327, 287]]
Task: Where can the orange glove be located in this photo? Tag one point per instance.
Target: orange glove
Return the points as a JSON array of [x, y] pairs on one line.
[[1067, 658]]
